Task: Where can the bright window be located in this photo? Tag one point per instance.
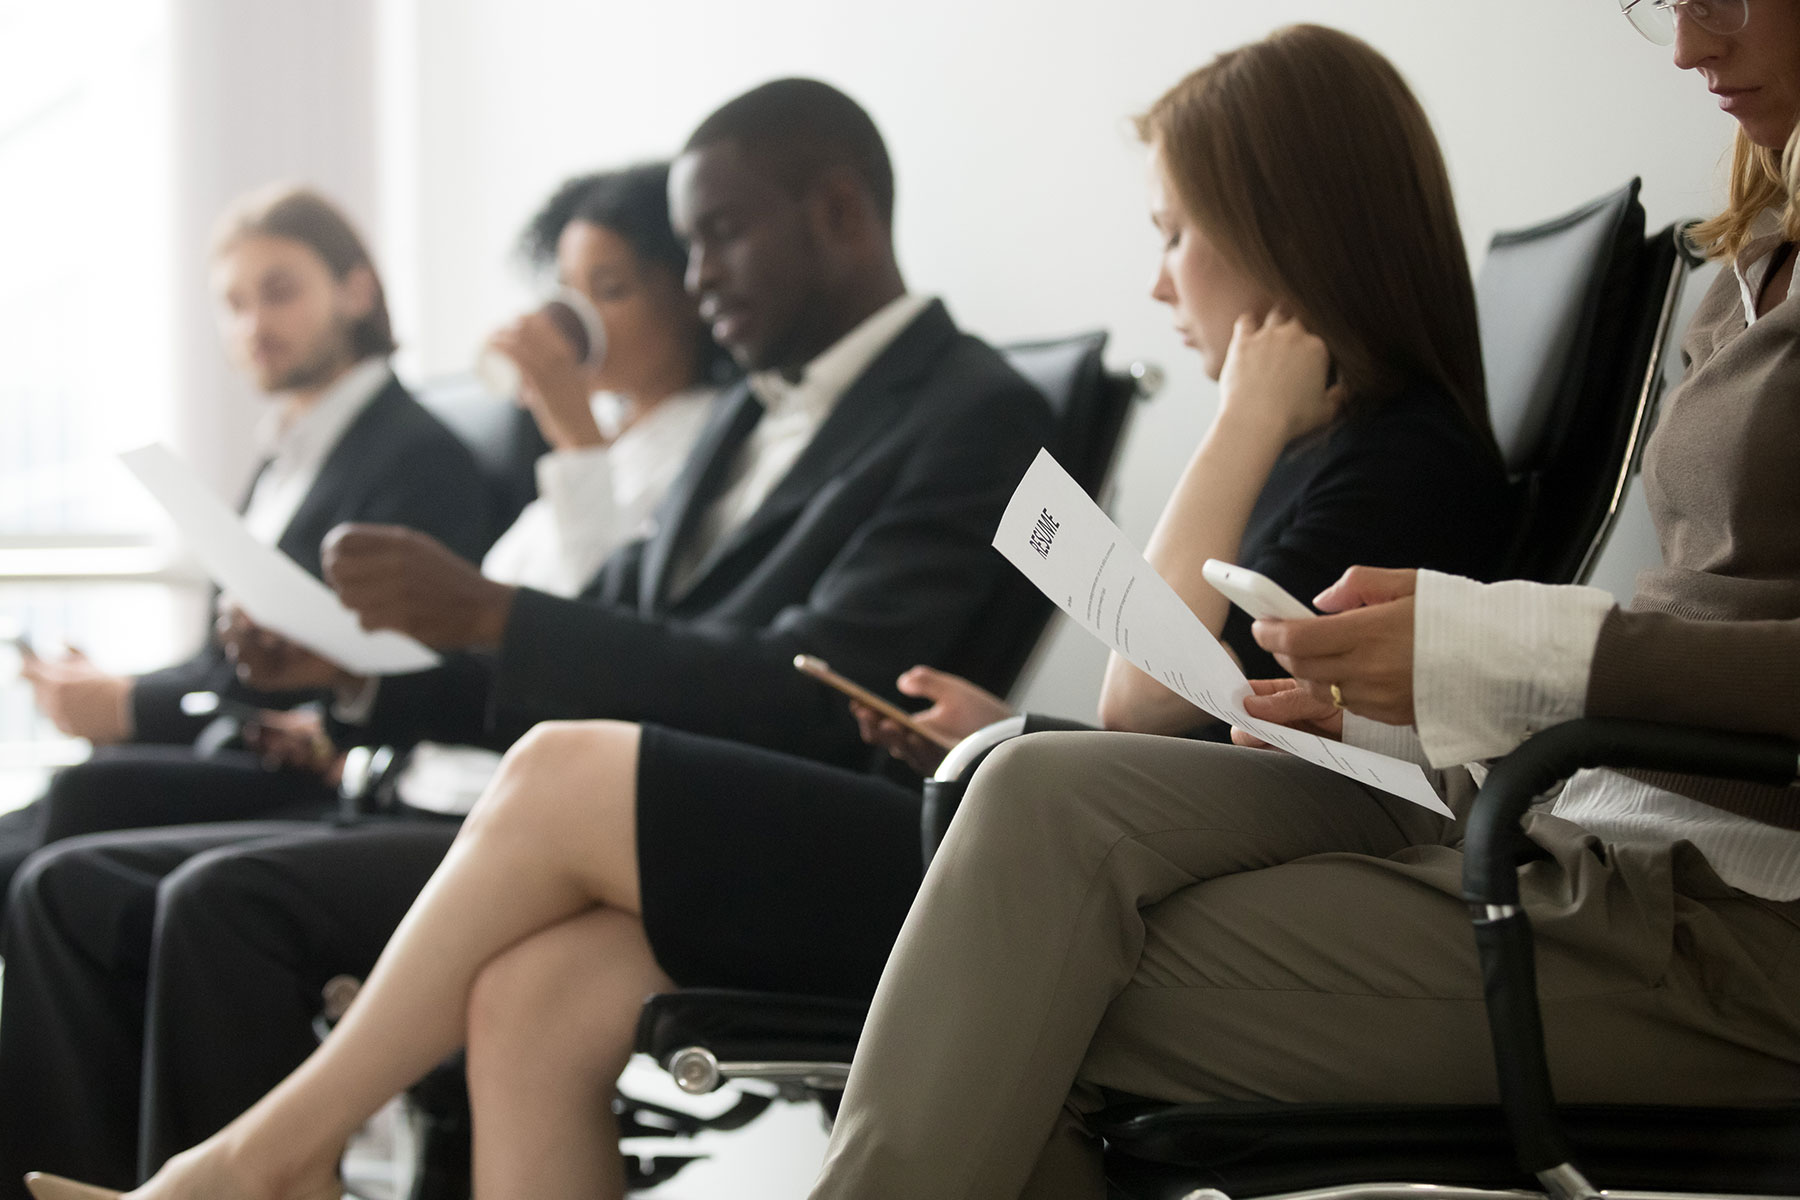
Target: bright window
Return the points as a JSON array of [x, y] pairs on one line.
[[85, 342]]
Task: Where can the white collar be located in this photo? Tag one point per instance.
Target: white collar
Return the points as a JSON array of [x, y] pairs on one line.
[[839, 365], [611, 409], [1754, 261], [316, 430]]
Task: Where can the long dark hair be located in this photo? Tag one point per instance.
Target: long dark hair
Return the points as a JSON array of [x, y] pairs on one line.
[[1310, 161], [302, 215]]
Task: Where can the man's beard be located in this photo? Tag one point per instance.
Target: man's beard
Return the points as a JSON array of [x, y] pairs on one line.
[[329, 359]]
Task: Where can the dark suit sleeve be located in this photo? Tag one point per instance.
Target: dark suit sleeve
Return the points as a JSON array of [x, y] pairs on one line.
[[900, 590], [449, 703], [156, 698], [437, 490], [452, 703]]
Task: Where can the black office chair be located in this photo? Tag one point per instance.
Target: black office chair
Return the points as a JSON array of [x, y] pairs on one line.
[[502, 436], [1266, 1151], [1245, 1151], [1091, 409], [1575, 314]]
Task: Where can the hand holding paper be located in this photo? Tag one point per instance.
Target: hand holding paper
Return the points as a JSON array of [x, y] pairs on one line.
[[1058, 537], [270, 588], [399, 578]]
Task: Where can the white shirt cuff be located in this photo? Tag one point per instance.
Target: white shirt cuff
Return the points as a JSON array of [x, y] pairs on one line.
[[1494, 663], [1395, 741]]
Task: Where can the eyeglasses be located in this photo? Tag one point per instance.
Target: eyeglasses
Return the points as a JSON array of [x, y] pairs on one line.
[[1655, 19]]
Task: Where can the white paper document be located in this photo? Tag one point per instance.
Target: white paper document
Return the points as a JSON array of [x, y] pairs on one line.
[[271, 588], [1058, 537]]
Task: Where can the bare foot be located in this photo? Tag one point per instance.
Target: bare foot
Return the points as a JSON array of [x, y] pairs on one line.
[[214, 1171]]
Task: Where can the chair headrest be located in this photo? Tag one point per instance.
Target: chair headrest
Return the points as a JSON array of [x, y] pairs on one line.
[[1064, 369], [1537, 295]]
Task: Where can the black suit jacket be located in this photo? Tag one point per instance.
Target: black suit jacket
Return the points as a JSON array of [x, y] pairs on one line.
[[873, 552], [396, 463]]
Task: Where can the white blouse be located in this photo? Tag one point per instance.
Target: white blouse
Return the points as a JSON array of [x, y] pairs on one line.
[[594, 499]]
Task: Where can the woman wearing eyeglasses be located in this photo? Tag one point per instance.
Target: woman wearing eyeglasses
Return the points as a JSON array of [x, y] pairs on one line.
[[1120, 914]]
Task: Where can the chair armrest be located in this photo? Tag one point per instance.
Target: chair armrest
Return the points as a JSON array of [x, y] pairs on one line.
[[963, 757], [943, 792], [1546, 759], [1502, 930]]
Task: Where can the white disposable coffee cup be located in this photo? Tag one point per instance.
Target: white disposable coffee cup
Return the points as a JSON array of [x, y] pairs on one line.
[[575, 318]]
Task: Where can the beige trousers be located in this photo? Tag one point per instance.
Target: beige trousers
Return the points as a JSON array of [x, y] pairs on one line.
[[1195, 922]]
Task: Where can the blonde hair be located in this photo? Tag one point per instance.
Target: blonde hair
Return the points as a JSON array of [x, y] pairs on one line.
[[1307, 158], [1761, 179]]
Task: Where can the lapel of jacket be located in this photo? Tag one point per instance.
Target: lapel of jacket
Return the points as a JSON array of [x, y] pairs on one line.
[[705, 472], [865, 410], [324, 500]]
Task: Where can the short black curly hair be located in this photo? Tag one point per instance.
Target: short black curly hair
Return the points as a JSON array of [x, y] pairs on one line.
[[804, 126], [633, 202]]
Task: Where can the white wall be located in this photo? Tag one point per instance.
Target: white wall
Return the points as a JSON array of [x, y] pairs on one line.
[[261, 92], [1020, 186]]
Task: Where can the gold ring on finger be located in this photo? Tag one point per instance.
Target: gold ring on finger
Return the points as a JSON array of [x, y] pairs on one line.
[[1337, 697]]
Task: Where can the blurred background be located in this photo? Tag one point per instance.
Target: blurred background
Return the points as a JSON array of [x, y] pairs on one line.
[[125, 125]]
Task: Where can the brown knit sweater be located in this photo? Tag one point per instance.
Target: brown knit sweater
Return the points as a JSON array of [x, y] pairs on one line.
[[1712, 637]]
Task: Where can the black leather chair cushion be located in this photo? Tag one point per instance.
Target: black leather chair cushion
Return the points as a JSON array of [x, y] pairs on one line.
[[502, 436], [1158, 1150], [1540, 293]]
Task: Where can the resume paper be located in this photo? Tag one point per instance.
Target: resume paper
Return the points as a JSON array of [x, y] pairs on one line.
[[271, 588], [1061, 540]]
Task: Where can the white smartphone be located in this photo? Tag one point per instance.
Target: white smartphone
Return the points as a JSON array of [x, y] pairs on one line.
[[1256, 594]]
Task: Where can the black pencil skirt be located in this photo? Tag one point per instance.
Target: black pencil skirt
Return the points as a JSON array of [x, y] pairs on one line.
[[769, 872]]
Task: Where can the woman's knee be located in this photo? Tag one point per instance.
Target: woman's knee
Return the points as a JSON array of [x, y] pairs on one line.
[[1037, 778], [557, 760]]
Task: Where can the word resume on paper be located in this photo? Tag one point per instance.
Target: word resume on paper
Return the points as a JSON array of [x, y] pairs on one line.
[[1073, 553]]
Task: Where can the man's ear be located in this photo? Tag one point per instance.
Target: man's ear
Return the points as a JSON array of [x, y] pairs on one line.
[[843, 209], [357, 291]]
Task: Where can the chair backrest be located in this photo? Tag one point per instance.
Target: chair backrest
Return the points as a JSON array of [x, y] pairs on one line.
[[1090, 408], [1574, 316], [502, 436]]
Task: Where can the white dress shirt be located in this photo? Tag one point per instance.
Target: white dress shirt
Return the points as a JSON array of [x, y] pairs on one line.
[[594, 499], [296, 446], [792, 414]]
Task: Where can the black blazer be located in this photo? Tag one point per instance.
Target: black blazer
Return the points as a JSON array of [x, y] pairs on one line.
[[873, 552], [396, 463]]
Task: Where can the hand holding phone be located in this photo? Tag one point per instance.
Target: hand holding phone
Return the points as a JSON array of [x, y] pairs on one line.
[[1255, 593], [806, 664], [12, 635]]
